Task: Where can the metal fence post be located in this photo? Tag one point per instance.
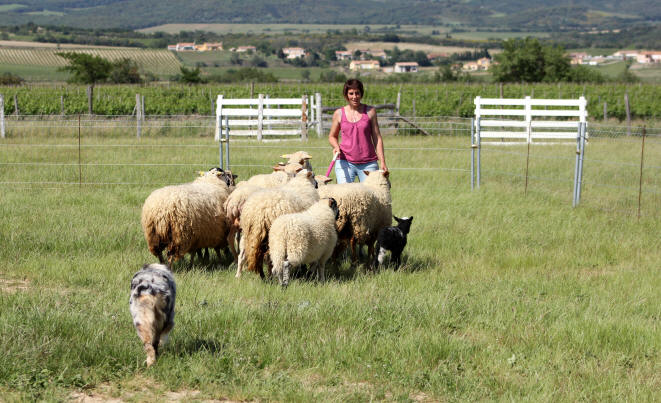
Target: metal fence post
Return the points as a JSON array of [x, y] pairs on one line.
[[320, 120], [472, 153], [227, 140], [2, 116], [219, 116], [578, 152], [479, 157], [138, 113], [580, 164]]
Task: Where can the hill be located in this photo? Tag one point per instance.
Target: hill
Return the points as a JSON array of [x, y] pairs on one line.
[[511, 14]]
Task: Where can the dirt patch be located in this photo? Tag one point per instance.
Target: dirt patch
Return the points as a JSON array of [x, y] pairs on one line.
[[12, 286]]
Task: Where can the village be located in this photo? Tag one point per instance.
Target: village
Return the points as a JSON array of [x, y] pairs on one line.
[[376, 60]]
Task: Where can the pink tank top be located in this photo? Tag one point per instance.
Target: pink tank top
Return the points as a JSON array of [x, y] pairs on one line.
[[356, 139]]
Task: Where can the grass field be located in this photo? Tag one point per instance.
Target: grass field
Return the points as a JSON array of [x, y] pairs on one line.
[[503, 295]]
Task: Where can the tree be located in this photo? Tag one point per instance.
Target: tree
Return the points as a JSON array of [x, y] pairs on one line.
[[189, 76], [527, 60], [125, 70], [87, 69]]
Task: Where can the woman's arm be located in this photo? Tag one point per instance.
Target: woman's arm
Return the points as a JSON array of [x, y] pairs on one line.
[[333, 135], [377, 140]]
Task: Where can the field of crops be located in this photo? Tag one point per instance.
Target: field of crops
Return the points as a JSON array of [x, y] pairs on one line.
[[416, 99], [153, 60]]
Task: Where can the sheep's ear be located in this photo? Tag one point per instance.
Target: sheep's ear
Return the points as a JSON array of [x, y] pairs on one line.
[[234, 176], [201, 173], [285, 156], [397, 218], [386, 174], [367, 172], [278, 168], [309, 174]]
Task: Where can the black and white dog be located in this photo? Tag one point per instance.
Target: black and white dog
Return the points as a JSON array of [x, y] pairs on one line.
[[394, 240], [152, 306]]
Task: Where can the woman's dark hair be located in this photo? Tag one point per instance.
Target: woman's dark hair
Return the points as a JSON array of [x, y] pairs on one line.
[[353, 84]]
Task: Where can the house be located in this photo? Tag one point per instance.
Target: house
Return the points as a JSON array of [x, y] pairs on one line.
[[470, 66], [406, 67], [378, 54], [293, 53], [364, 65], [434, 57], [185, 46], [483, 63], [244, 49], [650, 57], [207, 46], [577, 57], [172, 47], [343, 55]]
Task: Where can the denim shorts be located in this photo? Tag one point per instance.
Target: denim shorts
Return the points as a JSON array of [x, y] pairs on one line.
[[346, 172]]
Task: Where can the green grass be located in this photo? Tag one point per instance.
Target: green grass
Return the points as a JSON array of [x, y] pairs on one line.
[[503, 295], [484, 35], [34, 72]]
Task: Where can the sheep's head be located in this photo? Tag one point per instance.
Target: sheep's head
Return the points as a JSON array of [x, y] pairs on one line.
[[291, 168], [404, 224], [332, 203], [307, 176], [225, 176], [378, 178], [299, 157], [322, 179]]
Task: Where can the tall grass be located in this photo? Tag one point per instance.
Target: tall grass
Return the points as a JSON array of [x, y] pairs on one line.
[[503, 294]]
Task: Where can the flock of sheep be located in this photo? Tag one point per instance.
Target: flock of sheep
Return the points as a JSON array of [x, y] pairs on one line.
[[290, 216]]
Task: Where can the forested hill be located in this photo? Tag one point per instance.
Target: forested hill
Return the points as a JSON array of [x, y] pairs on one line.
[[508, 14]]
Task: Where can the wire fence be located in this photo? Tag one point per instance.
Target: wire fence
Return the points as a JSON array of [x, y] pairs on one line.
[[622, 164]]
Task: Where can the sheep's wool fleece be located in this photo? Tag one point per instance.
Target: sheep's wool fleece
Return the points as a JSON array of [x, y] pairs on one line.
[[186, 217], [366, 206], [303, 238], [263, 207]]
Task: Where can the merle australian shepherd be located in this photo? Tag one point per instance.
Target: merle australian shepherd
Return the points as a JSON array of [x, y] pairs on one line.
[[152, 306], [394, 240]]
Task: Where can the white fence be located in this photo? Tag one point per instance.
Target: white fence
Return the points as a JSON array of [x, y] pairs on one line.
[[262, 117], [560, 119]]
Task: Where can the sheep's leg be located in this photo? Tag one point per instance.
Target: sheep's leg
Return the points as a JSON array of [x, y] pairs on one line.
[[231, 239], [378, 259], [370, 251], [239, 263], [284, 274], [397, 257], [354, 256], [321, 273]]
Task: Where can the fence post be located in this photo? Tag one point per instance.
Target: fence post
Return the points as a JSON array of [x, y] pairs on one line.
[[267, 107], [628, 111], [2, 116], [221, 160], [578, 151], [472, 153], [304, 118], [227, 141], [580, 164], [528, 109], [479, 147], [219, 116], [260, 117], [89, 99], [640, 185], [16, 112], [62, 105], [320, 126], [138, 112]]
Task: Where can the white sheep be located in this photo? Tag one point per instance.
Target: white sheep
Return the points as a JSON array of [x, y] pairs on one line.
[[185, 218], [308, 237], [301, 157], [262, 208], [281, 174], [364, 208]]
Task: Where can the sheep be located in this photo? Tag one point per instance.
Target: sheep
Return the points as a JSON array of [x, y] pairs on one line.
[[364, 209], [281, 174], [301, 157], [262, 208], [151, 303], [307, 237], [185, 218], [394, 240]]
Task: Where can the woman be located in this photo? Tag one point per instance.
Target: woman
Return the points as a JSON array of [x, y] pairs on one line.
[[361, 144]]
